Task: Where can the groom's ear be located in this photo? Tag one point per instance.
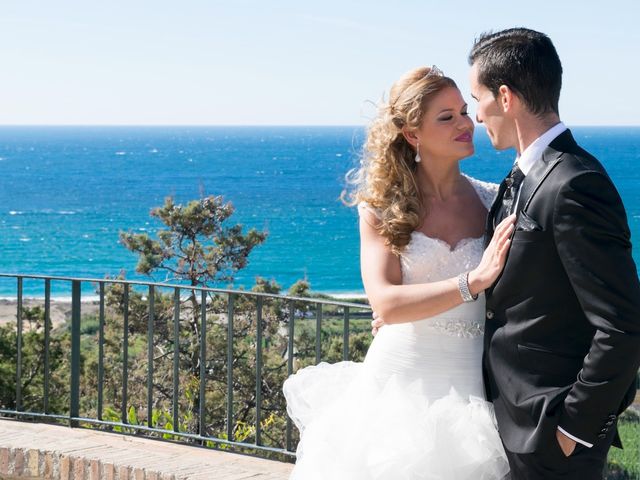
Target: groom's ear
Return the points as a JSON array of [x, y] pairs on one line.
[[506, 98], [410, 136]]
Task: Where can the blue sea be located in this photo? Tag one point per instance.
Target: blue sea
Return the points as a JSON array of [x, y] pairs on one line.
[[67, 192]]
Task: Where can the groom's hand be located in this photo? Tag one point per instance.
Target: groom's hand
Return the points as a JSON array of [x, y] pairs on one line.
[[566, 444], [376, 324]]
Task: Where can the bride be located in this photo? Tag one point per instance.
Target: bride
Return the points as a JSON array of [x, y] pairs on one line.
[[415, 408]]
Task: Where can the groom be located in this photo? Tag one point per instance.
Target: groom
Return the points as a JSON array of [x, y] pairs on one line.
[[562, 334]]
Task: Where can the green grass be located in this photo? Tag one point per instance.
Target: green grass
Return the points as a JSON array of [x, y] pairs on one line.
[[89, 325], [625, 464]]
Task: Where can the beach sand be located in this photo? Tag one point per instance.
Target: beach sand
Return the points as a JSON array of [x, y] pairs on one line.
[[60, 309]]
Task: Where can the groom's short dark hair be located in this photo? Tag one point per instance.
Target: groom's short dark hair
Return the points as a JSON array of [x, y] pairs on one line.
[[525, 61]]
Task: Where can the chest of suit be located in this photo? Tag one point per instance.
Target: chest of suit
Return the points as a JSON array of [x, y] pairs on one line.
[[533, 302]]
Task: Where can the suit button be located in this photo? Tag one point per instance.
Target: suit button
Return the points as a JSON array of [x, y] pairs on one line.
[[612, 417], [490, 314]]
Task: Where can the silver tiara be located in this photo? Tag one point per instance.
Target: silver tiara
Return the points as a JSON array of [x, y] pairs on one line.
[[434, 72]]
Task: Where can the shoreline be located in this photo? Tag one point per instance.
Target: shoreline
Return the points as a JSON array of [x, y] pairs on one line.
[[95, 298], [60, 307]]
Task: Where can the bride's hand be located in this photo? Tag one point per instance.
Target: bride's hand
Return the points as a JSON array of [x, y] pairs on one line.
[[494, 257]]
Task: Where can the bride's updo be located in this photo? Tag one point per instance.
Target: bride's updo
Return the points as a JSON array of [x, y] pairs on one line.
[[386, 179]]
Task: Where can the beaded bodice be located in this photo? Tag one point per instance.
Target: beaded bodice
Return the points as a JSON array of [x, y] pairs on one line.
[[427, 259]]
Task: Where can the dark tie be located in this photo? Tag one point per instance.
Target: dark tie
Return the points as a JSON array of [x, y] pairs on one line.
[[512, 182]]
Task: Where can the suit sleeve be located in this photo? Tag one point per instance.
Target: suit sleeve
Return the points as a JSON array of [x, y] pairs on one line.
[[593, 242]]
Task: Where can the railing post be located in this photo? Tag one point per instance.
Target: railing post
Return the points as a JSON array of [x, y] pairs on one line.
[[100, 350], [258, 370], [19, 348], [203, 363], [318, 333], [47, 341], [292, 313], [150, 334], [230, 368], [125, 355], [74, 409], [176, 360], [345, 335]]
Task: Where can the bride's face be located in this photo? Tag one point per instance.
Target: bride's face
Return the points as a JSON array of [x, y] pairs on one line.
[[446, 130]]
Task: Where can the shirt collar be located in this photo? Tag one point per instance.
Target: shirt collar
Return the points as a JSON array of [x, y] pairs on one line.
[[534, 151]]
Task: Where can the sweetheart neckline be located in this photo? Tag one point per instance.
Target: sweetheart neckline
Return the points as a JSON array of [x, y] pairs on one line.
[[459, 245]]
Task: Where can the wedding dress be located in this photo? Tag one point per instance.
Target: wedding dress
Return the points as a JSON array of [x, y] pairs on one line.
[[415, 408]]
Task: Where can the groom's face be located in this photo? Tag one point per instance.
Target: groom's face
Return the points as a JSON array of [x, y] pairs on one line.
[[489, 112]]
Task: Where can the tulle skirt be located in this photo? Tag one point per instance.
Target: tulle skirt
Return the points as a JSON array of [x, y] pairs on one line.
[[359, 422]]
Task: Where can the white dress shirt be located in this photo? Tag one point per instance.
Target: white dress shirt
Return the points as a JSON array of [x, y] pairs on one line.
[[533, 152]]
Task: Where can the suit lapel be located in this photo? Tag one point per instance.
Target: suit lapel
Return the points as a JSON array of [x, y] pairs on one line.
[[535, 177], [541, 169]]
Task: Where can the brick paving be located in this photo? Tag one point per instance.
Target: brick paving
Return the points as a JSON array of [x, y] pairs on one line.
[[35, 450]]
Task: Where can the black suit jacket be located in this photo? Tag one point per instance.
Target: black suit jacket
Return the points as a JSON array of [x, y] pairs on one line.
[[562, 334]]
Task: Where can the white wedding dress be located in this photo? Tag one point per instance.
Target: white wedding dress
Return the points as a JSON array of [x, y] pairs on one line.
[[415, 408]]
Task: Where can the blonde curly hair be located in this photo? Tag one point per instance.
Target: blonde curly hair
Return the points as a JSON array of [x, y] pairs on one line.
[[386, 177]]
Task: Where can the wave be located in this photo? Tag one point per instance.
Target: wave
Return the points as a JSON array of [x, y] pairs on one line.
[[345, 295], [42, 212]]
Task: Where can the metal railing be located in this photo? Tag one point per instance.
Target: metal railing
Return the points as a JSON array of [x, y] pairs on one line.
[[314, 307]]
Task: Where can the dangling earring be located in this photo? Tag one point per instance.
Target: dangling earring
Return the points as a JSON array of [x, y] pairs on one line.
[[418, 158]]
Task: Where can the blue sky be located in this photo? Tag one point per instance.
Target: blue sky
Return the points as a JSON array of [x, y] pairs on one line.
[[196, 62]]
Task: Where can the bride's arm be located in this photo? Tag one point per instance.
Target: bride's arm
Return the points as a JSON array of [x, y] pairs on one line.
[[397, 303]]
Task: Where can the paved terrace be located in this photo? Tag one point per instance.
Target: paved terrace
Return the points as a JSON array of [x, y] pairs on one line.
[[35, 451]]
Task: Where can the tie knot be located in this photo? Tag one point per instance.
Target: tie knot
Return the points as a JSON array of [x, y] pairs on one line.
[[515, 177]]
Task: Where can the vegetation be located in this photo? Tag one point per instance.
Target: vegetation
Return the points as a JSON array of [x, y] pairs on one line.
[[33, 356], [625, 464]]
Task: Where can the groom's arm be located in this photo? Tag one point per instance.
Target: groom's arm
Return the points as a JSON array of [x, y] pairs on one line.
[[593, 242]]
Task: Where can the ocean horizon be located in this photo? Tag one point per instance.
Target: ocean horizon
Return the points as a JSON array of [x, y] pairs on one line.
[[69, 190]]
